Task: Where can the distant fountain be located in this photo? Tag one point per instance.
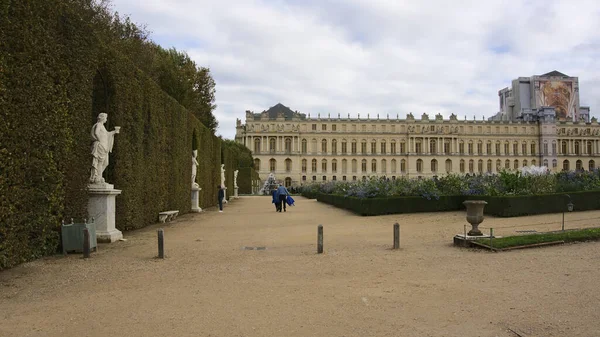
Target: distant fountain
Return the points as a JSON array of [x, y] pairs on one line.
[[269, 185]]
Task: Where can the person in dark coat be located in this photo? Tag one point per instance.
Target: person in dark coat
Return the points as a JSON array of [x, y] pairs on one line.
[[283, 194], [220, 196], [276, 200]]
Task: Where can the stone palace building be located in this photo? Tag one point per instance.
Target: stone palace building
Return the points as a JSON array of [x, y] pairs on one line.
[[539, 123]]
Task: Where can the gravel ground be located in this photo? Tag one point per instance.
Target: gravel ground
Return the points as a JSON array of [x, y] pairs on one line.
[[210, 286]]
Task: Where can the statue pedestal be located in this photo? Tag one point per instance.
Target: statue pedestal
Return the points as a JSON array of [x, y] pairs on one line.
[[101, 207], [196, 199], [235, 192]]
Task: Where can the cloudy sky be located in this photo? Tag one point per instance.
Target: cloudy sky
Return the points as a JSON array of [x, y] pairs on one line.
[[376, 56]]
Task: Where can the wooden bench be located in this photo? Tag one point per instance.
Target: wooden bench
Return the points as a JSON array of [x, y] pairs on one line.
[[167, 216]]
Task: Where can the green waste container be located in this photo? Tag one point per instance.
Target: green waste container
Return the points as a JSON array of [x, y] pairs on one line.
[[72, 236]]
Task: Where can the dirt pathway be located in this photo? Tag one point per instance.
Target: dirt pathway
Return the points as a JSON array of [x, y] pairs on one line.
[[210, 286]]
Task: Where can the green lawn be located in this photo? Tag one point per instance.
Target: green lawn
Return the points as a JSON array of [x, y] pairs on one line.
[[522, 240]]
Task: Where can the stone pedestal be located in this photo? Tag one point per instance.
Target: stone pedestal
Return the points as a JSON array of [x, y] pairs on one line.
[[235, 192], [102, 207], [196, 199]]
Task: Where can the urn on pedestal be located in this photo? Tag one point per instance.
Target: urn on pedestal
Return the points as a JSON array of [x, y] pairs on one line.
[[475, 215]]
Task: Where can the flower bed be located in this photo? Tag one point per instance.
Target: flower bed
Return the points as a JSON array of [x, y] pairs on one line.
[[507, 193]]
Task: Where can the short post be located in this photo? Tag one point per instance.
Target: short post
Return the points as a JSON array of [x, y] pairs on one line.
[[563, 222], [161, 243], [320, 239], [86, 243], [396, 236], [491, 236]]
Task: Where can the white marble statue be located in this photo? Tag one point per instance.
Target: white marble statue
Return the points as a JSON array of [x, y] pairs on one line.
[[103, 145], [194, 168], [235, 174], [223, 175]]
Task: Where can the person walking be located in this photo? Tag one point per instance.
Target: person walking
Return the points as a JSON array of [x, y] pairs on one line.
[[220, 196], [283, 194], [276, 200]]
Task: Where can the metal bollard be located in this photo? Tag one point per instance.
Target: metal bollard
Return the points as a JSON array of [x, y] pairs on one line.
[[86, 243], [320, 239], [161, 243], [396, 236]]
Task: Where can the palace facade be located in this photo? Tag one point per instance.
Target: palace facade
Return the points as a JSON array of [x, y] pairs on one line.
[[539, 123]]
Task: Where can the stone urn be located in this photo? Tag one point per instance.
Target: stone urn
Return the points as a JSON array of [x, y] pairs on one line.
[[475, 215]]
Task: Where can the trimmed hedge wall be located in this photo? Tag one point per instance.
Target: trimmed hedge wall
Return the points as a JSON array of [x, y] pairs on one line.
[[59, 68], [245, 178], [502, 206]]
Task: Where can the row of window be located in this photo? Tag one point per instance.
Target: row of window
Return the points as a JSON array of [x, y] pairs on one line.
[[433, 167], [471, 148]]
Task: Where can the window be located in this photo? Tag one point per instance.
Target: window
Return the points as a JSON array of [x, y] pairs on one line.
[[344, 178], [515, 149], [402, 148], [563, 147], [533, 148], [470, 146], [393, 164], [303, 165], [344, 166], [479, 148], [566, 165], [578, 165], [353, 178], [304, 146], [516, 164], [334, 146], [353, 147], [257, 164], [288, 165], [314, 178], [589, 148], [383, 166], [471, 166], [480, 166], [403, 165], [344, 147], [461, 148], [303, 178], [507, 164], [498, 165], [314, 127], [546, 148], [553, 147], [393, 147], [364, 165], [554, 163], [434, 167], [577, 149], [324, 165], [524, 149], [288, 145], [363, 147], [383, 147], [488, 148], [334, 127], [432, 146], [334, 166], [591, 165], [272, 144], [497, 148], [489, 166], [324, 178], [419, 165], [546, 162], [447, 148], [324, 146], [448, 165], [272, 165], [373, 147], [354, 166], [256, 145], [462, 166], [418, 147], [505, 148], [323, 127], [313, 166], [373, 166], [334, 178]]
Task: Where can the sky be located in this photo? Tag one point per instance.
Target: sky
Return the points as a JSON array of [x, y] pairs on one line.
[[375, 56]]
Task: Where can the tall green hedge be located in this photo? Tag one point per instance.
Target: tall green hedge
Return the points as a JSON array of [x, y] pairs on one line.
[[58, 70], [502, 206]]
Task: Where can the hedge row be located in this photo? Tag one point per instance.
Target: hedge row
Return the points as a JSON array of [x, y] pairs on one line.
[[502, 206], [58, 70]]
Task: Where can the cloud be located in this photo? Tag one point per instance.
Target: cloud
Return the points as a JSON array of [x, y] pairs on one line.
[[378, 56]]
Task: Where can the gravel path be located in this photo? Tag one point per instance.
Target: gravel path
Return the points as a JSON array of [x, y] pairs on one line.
[[210, 286]]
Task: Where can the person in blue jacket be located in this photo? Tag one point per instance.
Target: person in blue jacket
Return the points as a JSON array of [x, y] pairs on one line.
[[283, 194], [275, 199]]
